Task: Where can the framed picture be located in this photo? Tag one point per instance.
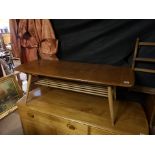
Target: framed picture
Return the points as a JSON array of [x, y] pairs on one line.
[[10, 92]]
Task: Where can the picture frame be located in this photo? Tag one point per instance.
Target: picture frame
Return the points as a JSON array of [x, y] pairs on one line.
[[10, 92]]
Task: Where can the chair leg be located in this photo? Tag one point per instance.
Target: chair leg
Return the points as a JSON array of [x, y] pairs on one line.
[[111, 104]]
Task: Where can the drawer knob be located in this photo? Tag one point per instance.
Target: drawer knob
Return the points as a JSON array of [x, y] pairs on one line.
[[30, 115], [72, 127]]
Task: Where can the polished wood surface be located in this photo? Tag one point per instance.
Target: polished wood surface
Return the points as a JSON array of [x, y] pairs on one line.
[[83, 72], [92, 79], [55, 111], [40, 123]]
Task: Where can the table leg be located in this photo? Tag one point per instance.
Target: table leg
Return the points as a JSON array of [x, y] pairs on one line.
[[28, 86], [111, 96], [114, 92]]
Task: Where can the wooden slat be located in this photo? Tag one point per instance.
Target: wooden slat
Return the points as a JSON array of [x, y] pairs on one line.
[[88, 89], [77, 90], [145, 70], [145, 59], [142, 89], [72, 88], [146, 43], [135, 53], [73, 84]]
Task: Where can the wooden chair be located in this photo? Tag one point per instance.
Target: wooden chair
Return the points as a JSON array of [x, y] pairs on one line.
[[137, 59], [150, 104]]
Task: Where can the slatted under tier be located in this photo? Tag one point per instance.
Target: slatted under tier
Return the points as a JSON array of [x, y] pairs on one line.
[[75, 86]]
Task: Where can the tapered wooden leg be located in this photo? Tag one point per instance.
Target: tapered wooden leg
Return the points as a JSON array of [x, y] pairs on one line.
[[111, 104], [114, 93], [28, 86]]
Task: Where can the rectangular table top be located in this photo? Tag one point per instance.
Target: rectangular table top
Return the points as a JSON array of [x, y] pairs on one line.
[[82, 72]]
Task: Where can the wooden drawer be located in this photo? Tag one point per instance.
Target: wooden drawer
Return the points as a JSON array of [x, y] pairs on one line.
[[35, 128], [66, 112], [38, 123]]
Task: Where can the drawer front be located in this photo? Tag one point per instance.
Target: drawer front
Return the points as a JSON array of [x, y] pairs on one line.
[[35, 128], [54, 124]]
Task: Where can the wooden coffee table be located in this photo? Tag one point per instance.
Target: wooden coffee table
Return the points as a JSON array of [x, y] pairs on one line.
[[94, 79]]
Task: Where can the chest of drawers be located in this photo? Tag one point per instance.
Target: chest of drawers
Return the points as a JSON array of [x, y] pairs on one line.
[[56, 111]]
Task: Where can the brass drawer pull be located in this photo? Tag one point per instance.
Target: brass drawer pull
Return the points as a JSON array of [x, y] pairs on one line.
[[30, 115], [72, 127]]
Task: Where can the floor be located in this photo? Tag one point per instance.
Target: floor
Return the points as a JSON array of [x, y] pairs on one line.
[[11, 125]]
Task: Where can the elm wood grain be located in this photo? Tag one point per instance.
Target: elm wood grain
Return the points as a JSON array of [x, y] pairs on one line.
[[98, 131], [44, 124], [33, 128], [105, 91], [82, 72], [85, 110]]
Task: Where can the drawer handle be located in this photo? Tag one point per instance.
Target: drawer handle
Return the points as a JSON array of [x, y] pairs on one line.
[[30, 114], [72, 127]]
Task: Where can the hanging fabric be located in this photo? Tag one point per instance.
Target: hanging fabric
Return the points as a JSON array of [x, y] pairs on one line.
[[48, 44], [15, 41], [29, 43], [37, 39]]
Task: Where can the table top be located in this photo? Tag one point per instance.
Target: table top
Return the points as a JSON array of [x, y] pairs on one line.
[[81, 72]]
